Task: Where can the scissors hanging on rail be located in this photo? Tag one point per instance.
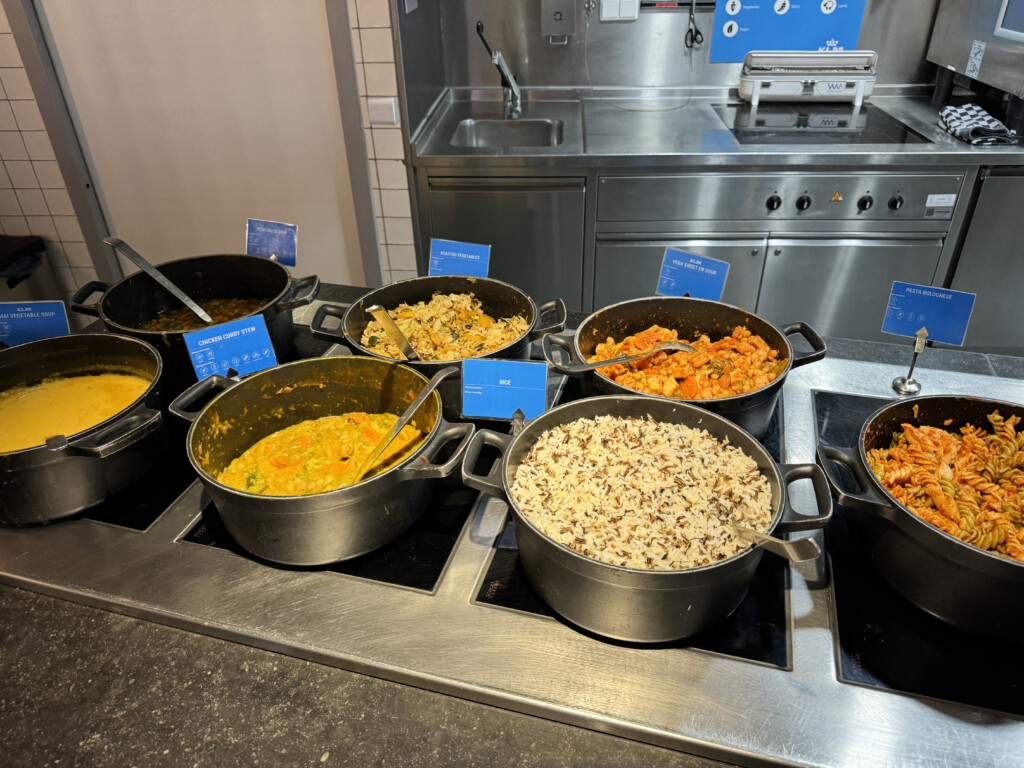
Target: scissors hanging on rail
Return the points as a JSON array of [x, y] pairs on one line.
[[693, 34]]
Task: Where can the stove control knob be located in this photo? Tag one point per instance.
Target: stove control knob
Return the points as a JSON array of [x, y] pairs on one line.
[[773, 203], [895, 202], [865, 203], [803, 203]]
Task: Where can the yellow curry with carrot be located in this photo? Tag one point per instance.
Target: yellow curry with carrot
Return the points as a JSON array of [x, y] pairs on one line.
[[318, 455]]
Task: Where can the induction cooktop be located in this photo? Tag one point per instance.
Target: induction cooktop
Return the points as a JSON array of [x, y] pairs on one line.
[[814, 123]]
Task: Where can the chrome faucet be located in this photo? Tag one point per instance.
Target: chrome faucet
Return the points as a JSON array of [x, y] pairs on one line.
[[512, 96]]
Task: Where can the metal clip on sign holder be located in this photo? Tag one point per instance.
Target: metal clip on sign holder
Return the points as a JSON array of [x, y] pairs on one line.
[[905, 385]]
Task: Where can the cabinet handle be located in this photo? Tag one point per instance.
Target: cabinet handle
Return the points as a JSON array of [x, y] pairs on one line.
[[754, 251], [778, 251]]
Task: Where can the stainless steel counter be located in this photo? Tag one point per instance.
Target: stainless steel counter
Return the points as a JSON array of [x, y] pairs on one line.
[[690, 700], [672, 129]]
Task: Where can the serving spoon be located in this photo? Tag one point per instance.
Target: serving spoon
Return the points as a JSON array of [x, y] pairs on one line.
[[137, 259], [404, 419], [676, 346], [391, 328], [796, 551]]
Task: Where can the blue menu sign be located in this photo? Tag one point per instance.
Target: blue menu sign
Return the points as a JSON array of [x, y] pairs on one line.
[[272, 240], [685, 273], [450, 257], [495, 389], [243, 345], [22, 321], [944, 312], [742, 26]]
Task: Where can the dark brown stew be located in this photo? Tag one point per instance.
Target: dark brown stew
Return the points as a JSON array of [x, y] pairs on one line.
[[219, 310]]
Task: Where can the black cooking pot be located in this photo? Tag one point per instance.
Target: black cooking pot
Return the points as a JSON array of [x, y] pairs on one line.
[[970, 588], [138, 298], [325, 527], [498, 300], [632, 604], [690, 317], [72, 473]]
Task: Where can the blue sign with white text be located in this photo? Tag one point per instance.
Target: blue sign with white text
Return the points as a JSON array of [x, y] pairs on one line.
[[450, 257], [22, 321], [943, 312], [243, 345], [742, 26], [272, 240], [685, 273], [495, 389]]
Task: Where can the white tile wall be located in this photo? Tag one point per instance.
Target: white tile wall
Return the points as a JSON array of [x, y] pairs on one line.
[[33, 196], [376, 76]]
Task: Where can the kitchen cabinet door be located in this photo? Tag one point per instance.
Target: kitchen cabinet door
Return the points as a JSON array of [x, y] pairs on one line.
[[533, 225], [631, 269], [841, 286]]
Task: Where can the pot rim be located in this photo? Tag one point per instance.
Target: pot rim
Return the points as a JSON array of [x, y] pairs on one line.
[[778, 505], [421, 278], [967, 549], [209, 479], [106, 422], [123, 329], [732, 398]]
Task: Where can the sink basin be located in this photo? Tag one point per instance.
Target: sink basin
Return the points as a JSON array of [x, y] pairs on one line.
[[507, 133]]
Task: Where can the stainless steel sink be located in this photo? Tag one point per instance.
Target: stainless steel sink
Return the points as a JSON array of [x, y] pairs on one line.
[[507, 133]]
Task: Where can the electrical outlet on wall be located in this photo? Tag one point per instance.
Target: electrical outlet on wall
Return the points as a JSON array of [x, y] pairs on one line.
[[557, 17]]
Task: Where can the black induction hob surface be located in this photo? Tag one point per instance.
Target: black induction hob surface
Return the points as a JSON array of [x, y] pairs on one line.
[[814, 123], [884, 640]]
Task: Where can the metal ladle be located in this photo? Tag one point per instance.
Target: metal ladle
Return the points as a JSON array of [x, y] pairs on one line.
[[404, 419], [676, 346], [796, 551], [391, 328], [136, 258]]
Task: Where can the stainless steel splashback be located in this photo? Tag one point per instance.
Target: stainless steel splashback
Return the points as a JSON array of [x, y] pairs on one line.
[[959, 28], [646, 53]]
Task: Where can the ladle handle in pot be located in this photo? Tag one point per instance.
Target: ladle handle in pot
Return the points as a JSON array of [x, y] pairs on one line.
[[77, 300], [180, 406], [491, 483], [864, 498], [791, 520], [300, 293], [557, 306], [424, 467], [316, 325], [562, 342], [812, 337], [116, 437]]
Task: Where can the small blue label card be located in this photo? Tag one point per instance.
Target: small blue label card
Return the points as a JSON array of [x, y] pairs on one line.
[[241, 344], [495, 389], [272, 240], [944, 312], [450, 257], [22, 321], [687, 273]]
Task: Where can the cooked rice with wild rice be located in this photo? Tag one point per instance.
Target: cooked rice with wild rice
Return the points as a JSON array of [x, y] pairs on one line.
[[641, 494]]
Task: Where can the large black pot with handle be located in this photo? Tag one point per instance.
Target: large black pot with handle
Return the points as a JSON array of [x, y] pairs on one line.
[[633, 604], [690, 318], [325, 527], [498, 299], [972, 589], [72, 473], [130, 303]]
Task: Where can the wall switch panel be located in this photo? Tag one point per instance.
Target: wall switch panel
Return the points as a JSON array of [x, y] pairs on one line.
[[609, 10], [620, 10], [383, 110], [557, 17]]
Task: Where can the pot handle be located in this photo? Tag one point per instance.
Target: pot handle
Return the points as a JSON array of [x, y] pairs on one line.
[[822, 499], [562, 342], [864, 498], [180, 406], [558, 307], [491, 483], [424, 466], [316, 325], [77, 300], [300, 293], [811, 336], [114, 438]]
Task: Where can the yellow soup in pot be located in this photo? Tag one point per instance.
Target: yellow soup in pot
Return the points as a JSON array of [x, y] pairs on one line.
[[63, 406], [318, 455]]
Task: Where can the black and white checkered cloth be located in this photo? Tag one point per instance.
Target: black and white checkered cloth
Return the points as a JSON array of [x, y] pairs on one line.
[[973, 124]]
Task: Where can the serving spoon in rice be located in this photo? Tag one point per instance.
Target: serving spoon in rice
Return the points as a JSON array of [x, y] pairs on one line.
[[795, 551]]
